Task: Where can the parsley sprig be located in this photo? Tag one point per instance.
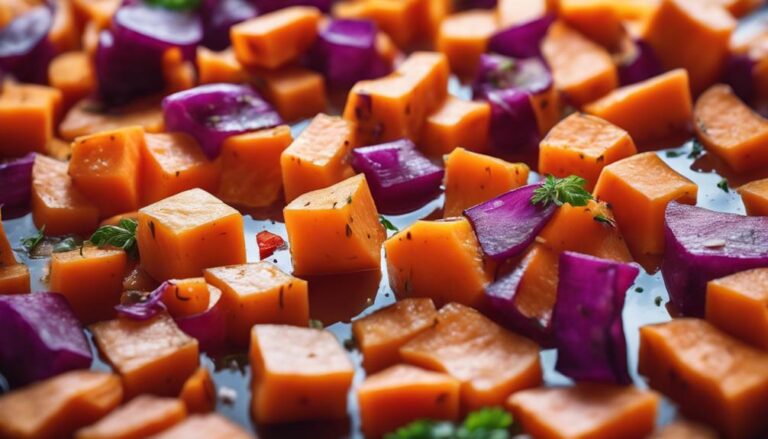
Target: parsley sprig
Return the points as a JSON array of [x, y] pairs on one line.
[[178, 5], [488, 423], [559, 191], [121, 236], [387, 224], [31, 242]]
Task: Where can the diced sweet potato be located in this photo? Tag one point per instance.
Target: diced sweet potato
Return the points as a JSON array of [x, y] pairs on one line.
[[401, 394], [214, 67], [98, 11], [679, 25], [259, 293], [472, 178], [597, 19], [582, 70], [582, 145], [65, 32], [7, 257], [28, 116], [58, 406], [398, 19], [182, 235], [173, 163], [141, 417], [72, 74], [712, 377], [59, 149], [638, 190], [187, 297], [514, 12], [745, 295], [14, 279], [595, 411], [730, 129], [275, 39], [178, 73], [463, 37], [213, 426], [199, 392], [381, 334], [335, 230], [755, 197], [105, 167], [152, 356], [91, 279], [397, 105], [490, 362], [456, 123], [441, 260], [651, 110], [299, 374], [86, 118], [295, 92], [318, 158], [683, 429]]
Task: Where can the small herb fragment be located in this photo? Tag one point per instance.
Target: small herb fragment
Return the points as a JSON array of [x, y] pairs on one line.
[[30, 242], [315, 324], [177, 5], [673, 154], [67, 244], [559, 191], [488, 423], [639, 290], [387, 224], [121, 236], [605, 220], [697, 149], [723, 185], [657, 301]]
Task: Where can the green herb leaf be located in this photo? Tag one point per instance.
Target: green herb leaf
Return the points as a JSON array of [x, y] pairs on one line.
[[723, 185], [657, 300], [387, 224], [424, 430], [697, 149], [487, 423], [30, 242], [67, 244], [121, 236], [178, 5], [559, 191], [673, 154], [605, 220]]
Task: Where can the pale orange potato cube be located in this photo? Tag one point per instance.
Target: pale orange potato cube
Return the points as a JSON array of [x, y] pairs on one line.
[[72, 73], [319, 157], [295, 92], [57, 407], [755, 197], [141, 417], [14, 279], [582, 145], [456, 124], [274, 39], [599, 20], [585, 411], [214, 67], [182, 235], [711, 376], [738, 305], [515, 12], [86, 118], [91, 279], [381, 334], [463, 37], [401, 394], [199, 392], [212, 426], [490, 362], [27, 118], [299, 374], [256, 293], [335, 230], [400, 19], [638, 189], [152, 356]]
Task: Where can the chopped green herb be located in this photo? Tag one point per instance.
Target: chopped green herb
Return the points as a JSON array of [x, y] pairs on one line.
[[315, 324], [639, 290], [175, 4], [487, 423], [67, 244], [657, 301], [697, 149], [121, 236], [673, 154], [605, 220], [30, 242], [723, 185], [387, 224], [559, 191]]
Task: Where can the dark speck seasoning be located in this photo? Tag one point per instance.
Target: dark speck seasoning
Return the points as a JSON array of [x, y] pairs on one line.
[[152, 229], [348, 231]]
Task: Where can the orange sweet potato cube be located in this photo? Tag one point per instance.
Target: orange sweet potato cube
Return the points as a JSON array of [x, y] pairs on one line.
[[105, 167], [274, 39], [679, 25], [582, 145], [141, 417], [295, 92], [187, 297], [259, 293], [472, 178], [91, 280], [335, 230], [251, 174], [381, 334], [440, 260], [152, 356], [214, 67], [463, 37], [711, 376], [745, 295], [319, 157], [400, 20], [397, 105], [85, 118], [402, 394], [14, 279], [199, 392], [211, 426], [490, 362], [582, 70], [684, 429], [72, 73], [299, 374], [755, 197], [58, 406], [27, 118], [182, 235], [515, 12], [586, 411], [456, 123], [173, 163], [98, 11], [638, 190], [7, 257], [597, 19], [57, 203]]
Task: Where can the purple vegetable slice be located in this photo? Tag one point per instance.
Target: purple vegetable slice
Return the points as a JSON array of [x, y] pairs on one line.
[[521, 40], [158, 28], [208, 327], [739, 74], [16, 184], [265, 6], [587, 323], [508, 224], [126, 71], [211, 113], [701, 245], [219, 16], [25, 50], [150, 307], [40, 337], [498, 72], [401, 178], [638, 63]]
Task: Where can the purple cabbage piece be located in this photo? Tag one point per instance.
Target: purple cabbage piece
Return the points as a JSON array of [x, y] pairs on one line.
[[639, 65], [739, 74], [25, 50], [587, 323], [213, 112], [16, 184], [345, 52], [219, 16], [40, 337], [521, 40], [400, 177], [506, 225], [498, 72], [158, 28], [265, 6], [702, 245], [126, 71], [208, 327], [147, 309], [476, 4]]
